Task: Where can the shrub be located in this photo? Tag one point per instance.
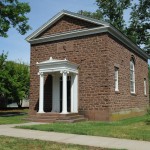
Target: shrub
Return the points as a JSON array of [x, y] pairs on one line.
[[148, 111]]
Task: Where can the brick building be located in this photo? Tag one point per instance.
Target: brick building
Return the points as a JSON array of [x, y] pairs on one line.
[[86, 66]]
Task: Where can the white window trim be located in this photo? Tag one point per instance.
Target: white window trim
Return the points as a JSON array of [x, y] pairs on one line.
[[145, 92], [133, 77], [116, 79]]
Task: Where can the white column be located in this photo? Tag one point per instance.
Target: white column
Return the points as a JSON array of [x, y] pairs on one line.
[[72, 93], [76, 93], [64, 93], [56, 93], [41, 94]]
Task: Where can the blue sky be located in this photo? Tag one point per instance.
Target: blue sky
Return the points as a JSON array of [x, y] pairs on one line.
[[41, 11]]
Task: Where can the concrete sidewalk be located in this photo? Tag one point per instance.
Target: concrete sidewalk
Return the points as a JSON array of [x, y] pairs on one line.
[[104, 142]]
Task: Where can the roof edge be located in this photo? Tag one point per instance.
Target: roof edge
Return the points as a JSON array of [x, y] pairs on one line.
[[60, 15], [69, 34], [125, 40]]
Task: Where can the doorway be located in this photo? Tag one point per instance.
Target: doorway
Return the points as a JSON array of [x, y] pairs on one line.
[[68, 94]]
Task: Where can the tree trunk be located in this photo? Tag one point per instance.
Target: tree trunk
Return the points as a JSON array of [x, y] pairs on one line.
[[19, 103]]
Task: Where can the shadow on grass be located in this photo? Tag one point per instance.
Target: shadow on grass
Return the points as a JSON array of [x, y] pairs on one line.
[[9, 112]]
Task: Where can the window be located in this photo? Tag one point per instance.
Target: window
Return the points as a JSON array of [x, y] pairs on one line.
[[144, 86], [116, 79], [132, 76]]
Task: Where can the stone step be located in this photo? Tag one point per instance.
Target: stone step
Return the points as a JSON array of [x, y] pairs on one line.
[[56, 117], [41, 120], [69, 114], [55, 114], [47, 114], [71, 117], [71, 120], [44, 117]]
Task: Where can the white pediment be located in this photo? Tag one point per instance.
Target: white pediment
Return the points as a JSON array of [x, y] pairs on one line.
[[57, 17], [55, 65]]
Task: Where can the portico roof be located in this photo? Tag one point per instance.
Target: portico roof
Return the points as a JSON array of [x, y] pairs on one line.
[[55, 65]]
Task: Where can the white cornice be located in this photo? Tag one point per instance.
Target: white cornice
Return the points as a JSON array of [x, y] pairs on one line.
[[66, 35], [54, 65], [78, 33]]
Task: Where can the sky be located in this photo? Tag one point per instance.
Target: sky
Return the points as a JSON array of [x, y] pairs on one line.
[[41, 11]]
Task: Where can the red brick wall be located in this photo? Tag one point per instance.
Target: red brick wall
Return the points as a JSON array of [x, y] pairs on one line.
[[124, 101], [91, 55], [96, 56]]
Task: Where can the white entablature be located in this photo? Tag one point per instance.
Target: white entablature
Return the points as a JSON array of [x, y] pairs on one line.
[[54, 65]]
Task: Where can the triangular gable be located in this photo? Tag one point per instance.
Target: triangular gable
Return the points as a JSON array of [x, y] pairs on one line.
[[50, 27], [67, 24]]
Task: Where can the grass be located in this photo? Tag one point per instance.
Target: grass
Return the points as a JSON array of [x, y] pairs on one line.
[[133, 128], [15, 116], [9, 143]]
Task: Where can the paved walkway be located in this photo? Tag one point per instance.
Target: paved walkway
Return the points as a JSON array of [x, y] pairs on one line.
[[8, 130]]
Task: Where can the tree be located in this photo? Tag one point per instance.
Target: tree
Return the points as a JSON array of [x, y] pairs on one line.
[[14, 81], [12, 14], [111, 11], [139, 28], [18, 82], [149, 81], [96, 15], [3, 76]]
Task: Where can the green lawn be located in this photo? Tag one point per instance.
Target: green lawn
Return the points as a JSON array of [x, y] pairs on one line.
[[9, 143], [13, 116], [133, 128]]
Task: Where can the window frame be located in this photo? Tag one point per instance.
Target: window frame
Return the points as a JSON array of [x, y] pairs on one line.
[[132, 76], [145, 87], [116, 78]]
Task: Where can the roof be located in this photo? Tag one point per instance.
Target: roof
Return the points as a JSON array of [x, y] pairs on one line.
[[103, 28]]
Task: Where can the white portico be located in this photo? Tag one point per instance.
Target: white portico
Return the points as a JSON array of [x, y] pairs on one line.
[[59, 69]]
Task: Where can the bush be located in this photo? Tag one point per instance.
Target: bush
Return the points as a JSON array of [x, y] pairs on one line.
[[148, 121], [148, 111]]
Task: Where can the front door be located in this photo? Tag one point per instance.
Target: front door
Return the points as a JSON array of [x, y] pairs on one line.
[[68, 93]]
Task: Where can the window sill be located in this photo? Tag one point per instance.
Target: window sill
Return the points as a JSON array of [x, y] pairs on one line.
[[117, 92], [134, 94]]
